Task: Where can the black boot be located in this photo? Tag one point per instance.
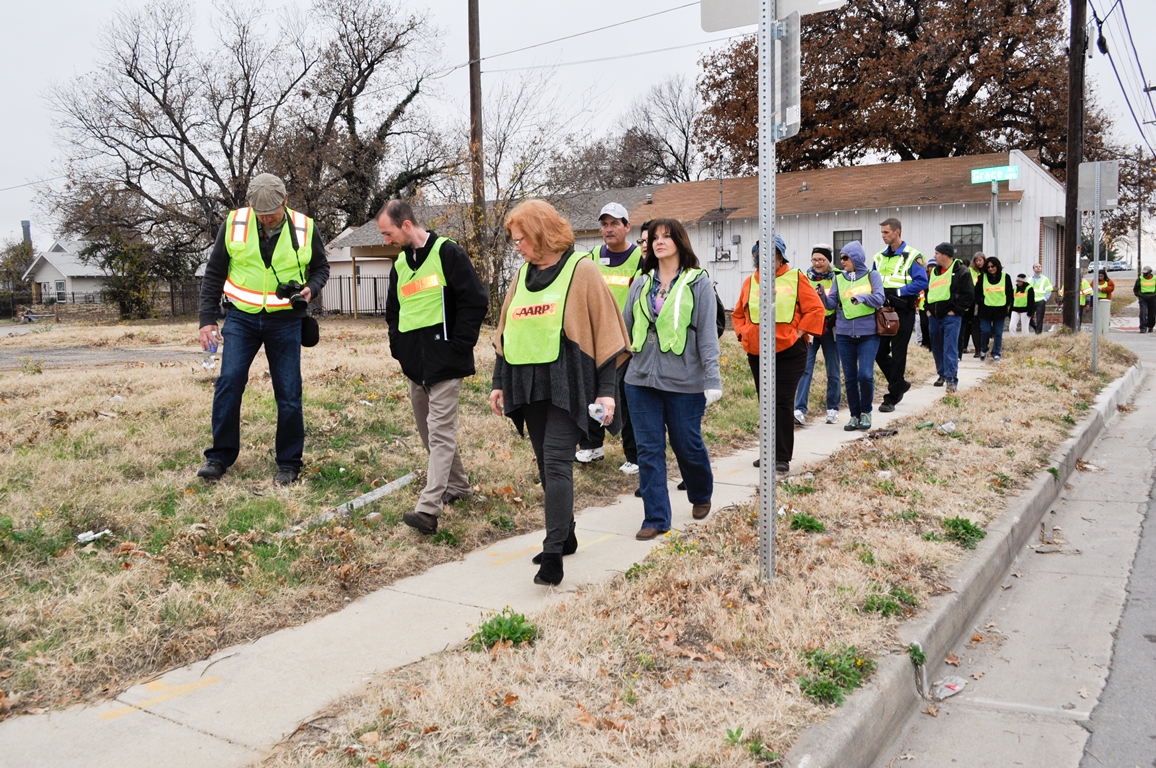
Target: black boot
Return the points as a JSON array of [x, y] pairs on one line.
[[551, 571], [569, 548]]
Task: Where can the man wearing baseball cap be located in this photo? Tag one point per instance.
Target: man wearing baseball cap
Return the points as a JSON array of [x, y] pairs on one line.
[[620, 262], [269, 262], [1145, 292]]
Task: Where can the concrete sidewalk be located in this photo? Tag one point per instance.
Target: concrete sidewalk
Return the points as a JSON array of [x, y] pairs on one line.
[[231, 709], [1047, 636]]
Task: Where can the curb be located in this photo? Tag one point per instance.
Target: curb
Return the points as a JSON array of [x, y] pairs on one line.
[[857, 733]]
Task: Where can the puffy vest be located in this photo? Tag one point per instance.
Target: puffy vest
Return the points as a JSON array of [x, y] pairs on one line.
[[251, 286], [1020, 298], [1148, 285], [939, 285], [994, 295], [849, 289], [896, 270], [421, 292], [673, 319], [533, 332], [618, 279]]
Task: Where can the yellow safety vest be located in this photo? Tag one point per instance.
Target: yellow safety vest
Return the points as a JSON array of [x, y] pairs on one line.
[[1148, 285], [939, 284], [1020, 298], [786, 296], [896, 270], [673, 319], [250, 285], [421, 292], [534, 319], [849, 289], [618, 279], [994, 295]]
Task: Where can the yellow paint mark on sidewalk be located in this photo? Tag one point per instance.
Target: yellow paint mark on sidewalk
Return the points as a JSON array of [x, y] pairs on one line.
[[505, 558], [584, 544], [164, 694]]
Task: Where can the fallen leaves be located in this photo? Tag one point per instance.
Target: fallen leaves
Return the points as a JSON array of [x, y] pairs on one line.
[[931, 710], [951, 659]]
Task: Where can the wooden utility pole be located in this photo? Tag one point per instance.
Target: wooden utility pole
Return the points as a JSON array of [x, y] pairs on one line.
[[476, 169], [1139, 208], [1077, 46]]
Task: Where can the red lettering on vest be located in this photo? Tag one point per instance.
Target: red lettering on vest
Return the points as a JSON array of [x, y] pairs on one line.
[[535, 310]]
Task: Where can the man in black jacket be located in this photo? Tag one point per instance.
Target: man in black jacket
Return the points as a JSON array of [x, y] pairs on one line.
[[434, 306], [950, 293]]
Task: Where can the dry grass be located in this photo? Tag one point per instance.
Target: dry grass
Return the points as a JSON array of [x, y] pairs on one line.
[[654, 669], [190, 568]]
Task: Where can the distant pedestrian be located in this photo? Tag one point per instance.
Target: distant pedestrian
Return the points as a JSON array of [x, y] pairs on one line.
[[434, 309], [856, 294], [671, 317], [921, 309], [559, 341], [1023, 302], [821, 275], [969, 327], [1042, 290], [1105, 286], [950, 292], [993, 306], [269, 260], [620, 263], [1145, 292], [903, 280]]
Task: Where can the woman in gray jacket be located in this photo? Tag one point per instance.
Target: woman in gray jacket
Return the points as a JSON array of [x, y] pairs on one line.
[[856, 292], [670, 317]]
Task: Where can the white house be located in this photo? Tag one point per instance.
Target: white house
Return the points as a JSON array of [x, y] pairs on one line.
[[360, 266], [58, 275], [934, 199]]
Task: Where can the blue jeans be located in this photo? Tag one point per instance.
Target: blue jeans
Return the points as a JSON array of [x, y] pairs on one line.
[[244, 334], [655, 413], [945, 335], [991, 329], [857, 353], [831, 359]]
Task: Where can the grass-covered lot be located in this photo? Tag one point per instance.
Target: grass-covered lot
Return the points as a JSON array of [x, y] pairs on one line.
[[188, 567], [687, 659]]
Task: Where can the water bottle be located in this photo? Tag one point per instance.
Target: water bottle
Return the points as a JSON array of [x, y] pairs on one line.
[[597, 411], [213, 343]]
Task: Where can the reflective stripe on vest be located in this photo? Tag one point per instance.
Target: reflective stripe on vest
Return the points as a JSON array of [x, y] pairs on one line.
[[421, 292], [1020, 299], [533, 332], [1148, 285], [618, 279], [673, 319], [1085, 288], [250, 285], [896, 270], [1041, 286], [994, 295], [848, 290], [939, 285]]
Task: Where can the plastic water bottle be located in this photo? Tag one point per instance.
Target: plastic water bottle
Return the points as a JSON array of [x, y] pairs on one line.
[[597, 411], [213, 343]]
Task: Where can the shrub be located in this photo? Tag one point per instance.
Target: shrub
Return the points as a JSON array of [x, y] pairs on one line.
[[963, 532], [837, 673], [506, 626]]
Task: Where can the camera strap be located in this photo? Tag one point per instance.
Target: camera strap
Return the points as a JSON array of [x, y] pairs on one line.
[[288, 221]]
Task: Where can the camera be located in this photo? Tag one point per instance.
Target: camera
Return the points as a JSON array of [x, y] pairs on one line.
[[292, 291]]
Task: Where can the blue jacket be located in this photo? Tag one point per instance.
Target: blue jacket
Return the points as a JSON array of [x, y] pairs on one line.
[[859, 326]]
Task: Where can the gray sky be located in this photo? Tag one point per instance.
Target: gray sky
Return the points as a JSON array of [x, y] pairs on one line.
[[51, 41]]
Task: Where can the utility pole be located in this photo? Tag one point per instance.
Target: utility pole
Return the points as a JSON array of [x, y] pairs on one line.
[[1070, 280], [476, 169], [1139, 208]]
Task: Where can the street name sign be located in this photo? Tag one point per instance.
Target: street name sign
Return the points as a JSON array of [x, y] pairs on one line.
[[998, 173]]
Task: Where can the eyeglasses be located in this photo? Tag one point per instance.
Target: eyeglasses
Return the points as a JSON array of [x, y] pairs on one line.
[[518, 241]]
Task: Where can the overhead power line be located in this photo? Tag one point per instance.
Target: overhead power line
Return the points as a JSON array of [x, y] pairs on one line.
[[1124, 91], [615, 58], [31, 183]]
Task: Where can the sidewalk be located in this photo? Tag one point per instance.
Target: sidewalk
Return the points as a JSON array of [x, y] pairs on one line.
[[231, 709], [1047, 636]]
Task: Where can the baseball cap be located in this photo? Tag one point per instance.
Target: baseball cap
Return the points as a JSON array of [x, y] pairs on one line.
[[1147, 270], [266, 194], [616, 210]]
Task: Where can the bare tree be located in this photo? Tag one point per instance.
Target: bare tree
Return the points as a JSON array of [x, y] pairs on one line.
[[659, 131], [327, 104]]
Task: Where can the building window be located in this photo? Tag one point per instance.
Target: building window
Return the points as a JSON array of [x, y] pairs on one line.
[[61, 293], [844, 236], [968, 241]]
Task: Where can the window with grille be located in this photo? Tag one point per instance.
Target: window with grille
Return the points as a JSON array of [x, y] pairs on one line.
[[968, 241], [842, 237]]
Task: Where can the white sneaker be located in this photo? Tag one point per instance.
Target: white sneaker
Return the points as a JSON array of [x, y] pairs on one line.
[[587, 455], [800, 418], [628, 468], [832, 417]]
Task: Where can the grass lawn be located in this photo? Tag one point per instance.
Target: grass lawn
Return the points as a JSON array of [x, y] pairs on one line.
[[189, 567]]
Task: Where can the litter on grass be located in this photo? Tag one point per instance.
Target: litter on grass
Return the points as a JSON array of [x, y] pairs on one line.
[[947, 427], [87, 536]]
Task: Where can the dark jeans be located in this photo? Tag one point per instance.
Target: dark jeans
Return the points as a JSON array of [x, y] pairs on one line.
[[857, 353], [656, 414], [789, 367], [1147, 312], [925, 327], [892, 357], [244, 334], [553, 434], [968, 330], [598, 432], [991, 330], [944, 343], [1038, 311], [831, 360]]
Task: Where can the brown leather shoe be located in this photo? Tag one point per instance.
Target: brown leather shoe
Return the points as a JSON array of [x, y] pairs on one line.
[[424, 523], [646, 534], [699, 511]]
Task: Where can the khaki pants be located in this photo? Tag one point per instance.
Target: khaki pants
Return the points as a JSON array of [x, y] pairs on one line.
[[435, 409]]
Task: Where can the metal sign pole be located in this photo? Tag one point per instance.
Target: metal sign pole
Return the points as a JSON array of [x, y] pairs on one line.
[[995, 218], [1096, 279], [767, 129]]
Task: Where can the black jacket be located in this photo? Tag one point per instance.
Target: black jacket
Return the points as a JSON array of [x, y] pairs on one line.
[[217, 270], [982, 310], [429, 355], [962, 291]]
